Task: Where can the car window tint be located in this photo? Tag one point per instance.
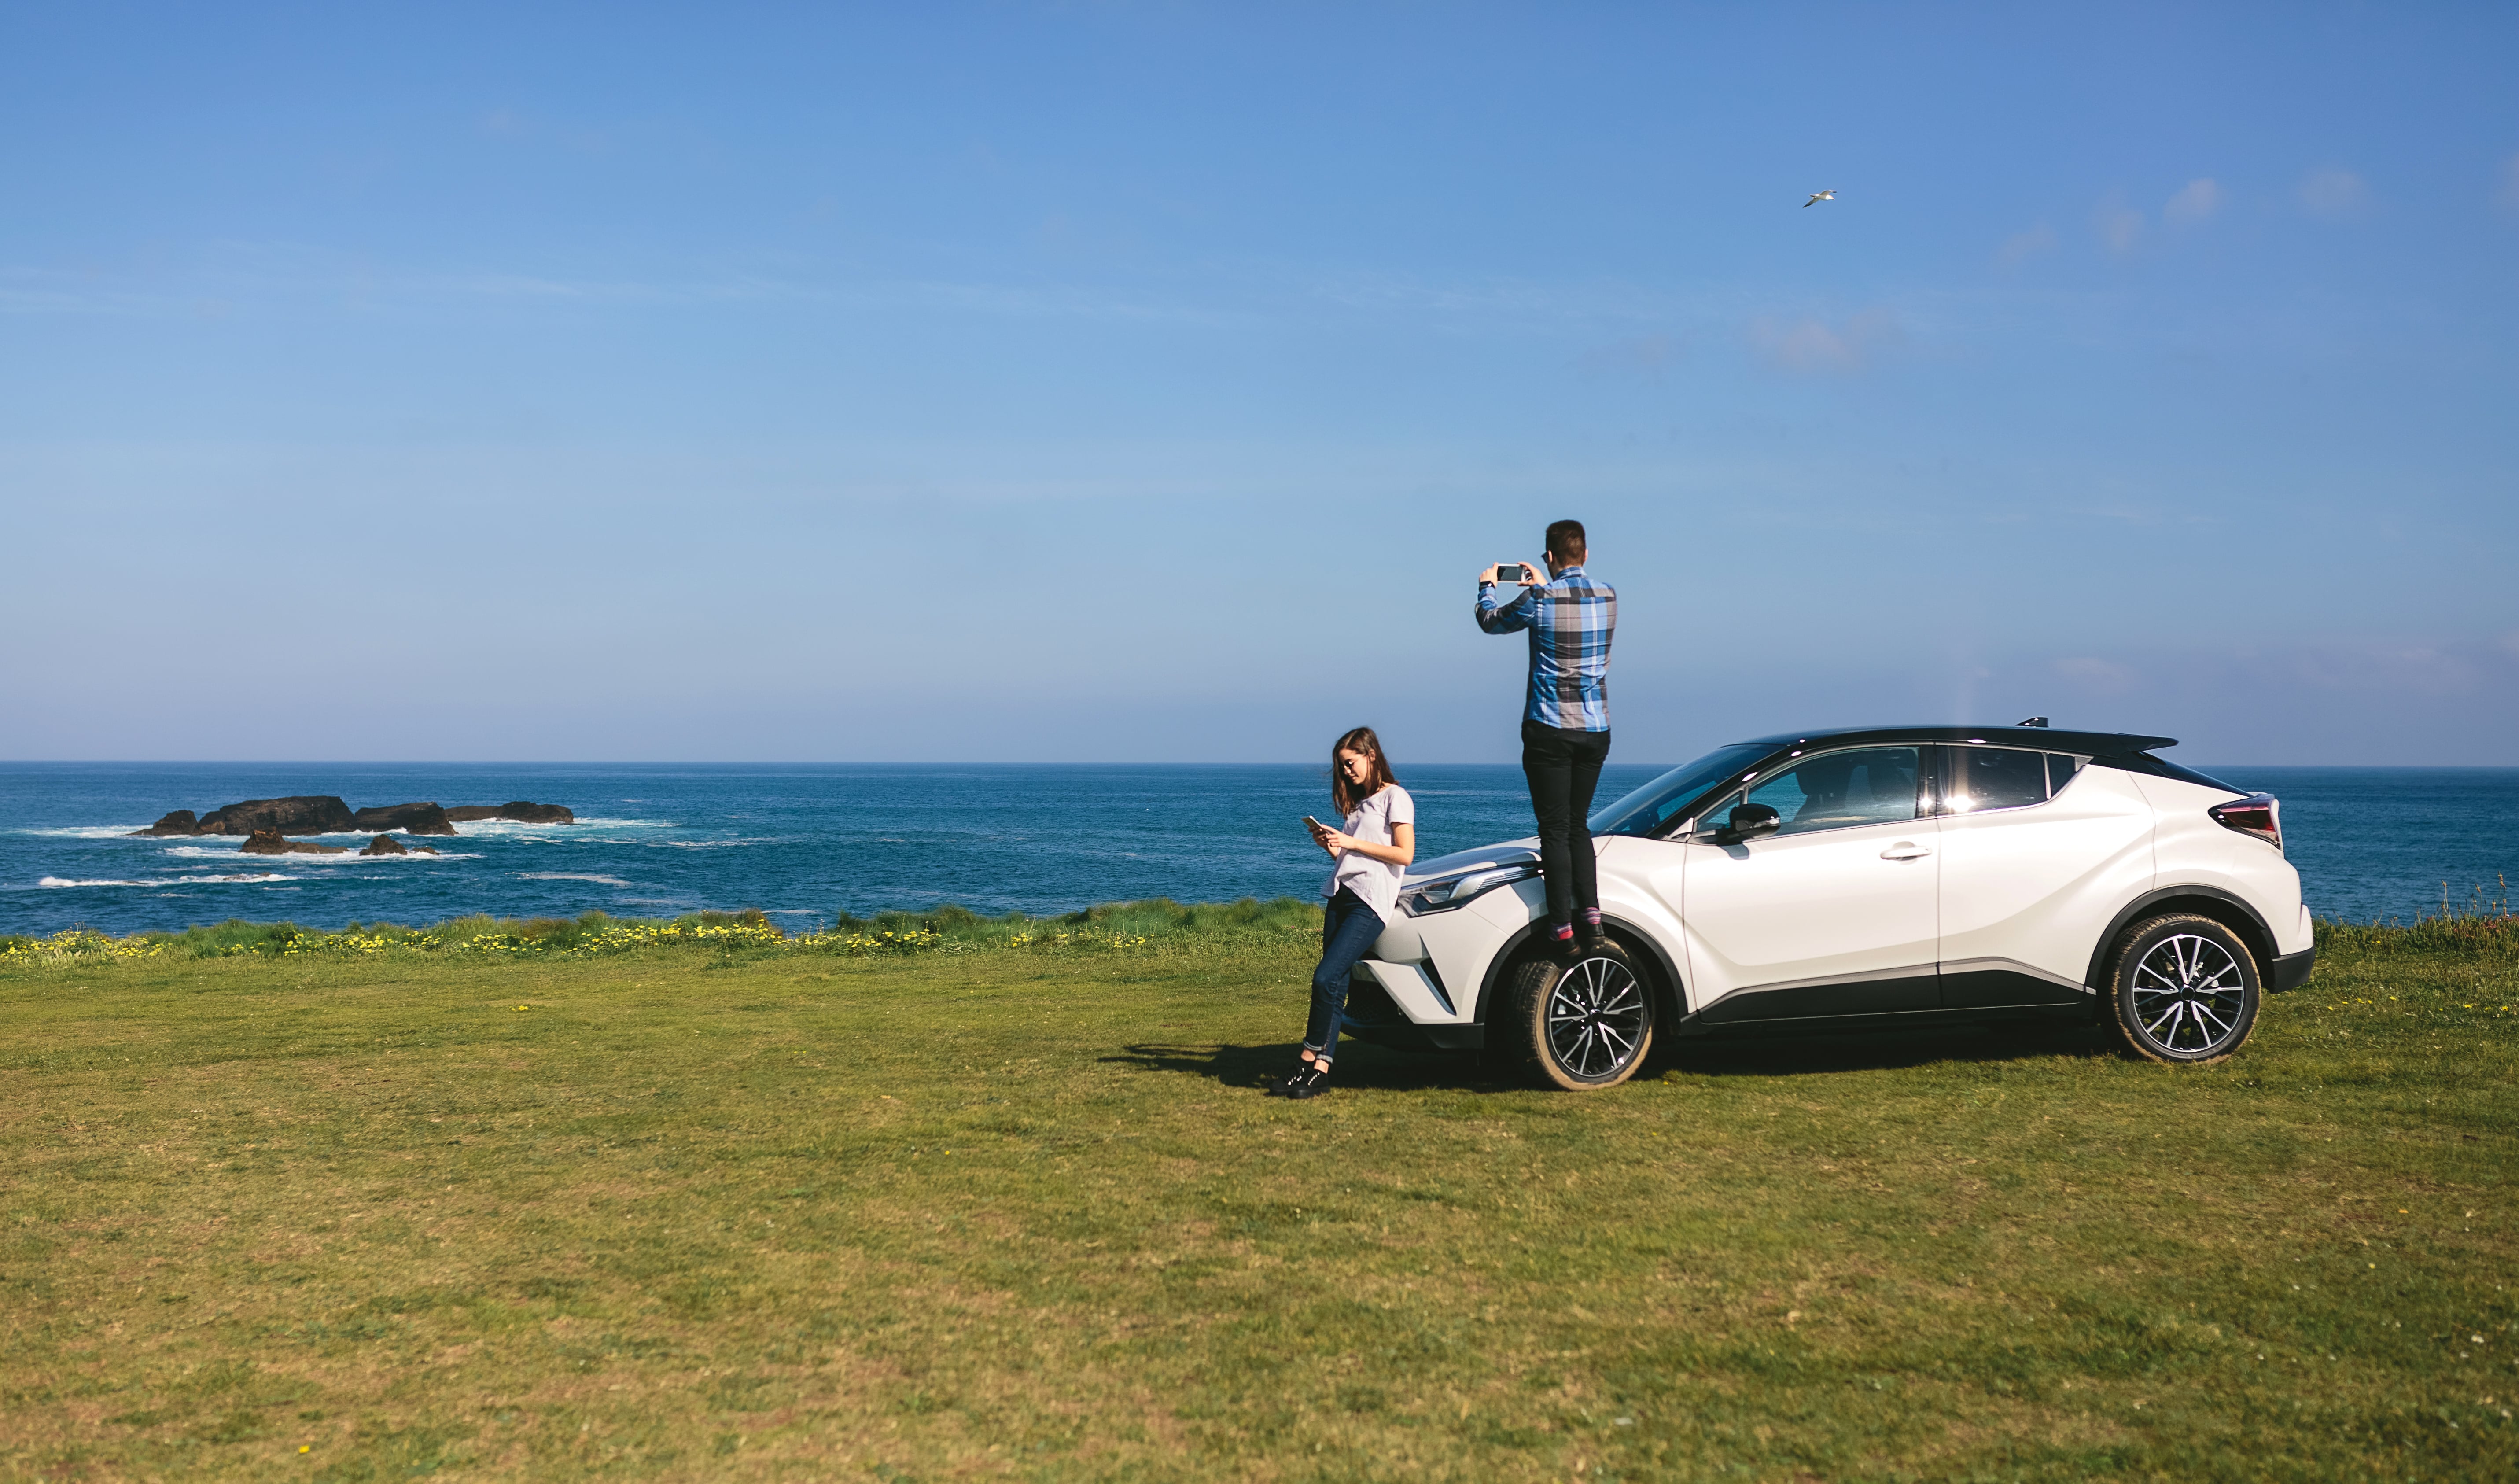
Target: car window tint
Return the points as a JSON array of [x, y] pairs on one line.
[[1866, 785], [1649, 807], [1996, 778], [2060, 768]]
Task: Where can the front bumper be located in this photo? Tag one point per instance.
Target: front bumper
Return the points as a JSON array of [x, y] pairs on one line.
[[2291, 970]]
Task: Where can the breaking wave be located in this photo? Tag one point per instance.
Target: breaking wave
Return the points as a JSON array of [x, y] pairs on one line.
[[57, 882], [206, 852]]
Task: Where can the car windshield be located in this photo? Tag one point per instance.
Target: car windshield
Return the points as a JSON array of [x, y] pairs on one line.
[[1650, 806]]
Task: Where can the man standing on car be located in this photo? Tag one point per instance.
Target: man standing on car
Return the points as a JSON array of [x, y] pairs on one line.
[[1565, 725]]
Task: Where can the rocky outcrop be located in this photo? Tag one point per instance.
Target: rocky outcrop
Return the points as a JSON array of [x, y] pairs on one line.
[[271, 843], [385, 844], [325, 815], [300, 814], [410, 819], [522, 811]]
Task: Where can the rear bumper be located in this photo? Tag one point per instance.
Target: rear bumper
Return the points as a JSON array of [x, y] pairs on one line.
[[2291, 970]]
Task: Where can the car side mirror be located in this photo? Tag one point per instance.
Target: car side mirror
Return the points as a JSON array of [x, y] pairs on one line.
[[1749, 821]]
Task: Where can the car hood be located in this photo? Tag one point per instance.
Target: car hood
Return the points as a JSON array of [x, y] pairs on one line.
[[1511, 852]]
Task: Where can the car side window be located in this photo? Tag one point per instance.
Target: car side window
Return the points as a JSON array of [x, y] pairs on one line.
[[1985, 778], [1866, 785]]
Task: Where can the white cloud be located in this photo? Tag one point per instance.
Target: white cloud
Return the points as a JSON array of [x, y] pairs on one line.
[[2196, 202], [2119, 225], [2021, 246], [2333, 192], [1811, 344]]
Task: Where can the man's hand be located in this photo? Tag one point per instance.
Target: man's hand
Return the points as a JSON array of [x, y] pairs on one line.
[[1521, 578]]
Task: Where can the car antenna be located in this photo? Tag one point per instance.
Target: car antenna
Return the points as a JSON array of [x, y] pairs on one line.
[[2032, 721]]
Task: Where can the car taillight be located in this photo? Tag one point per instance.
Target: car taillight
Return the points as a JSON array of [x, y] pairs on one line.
[[2257, 814]]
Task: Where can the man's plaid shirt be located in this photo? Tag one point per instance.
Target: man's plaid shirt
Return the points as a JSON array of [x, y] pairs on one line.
[[1571, 620]]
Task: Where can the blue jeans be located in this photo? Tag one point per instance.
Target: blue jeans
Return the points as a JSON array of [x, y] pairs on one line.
[[1348, 928]]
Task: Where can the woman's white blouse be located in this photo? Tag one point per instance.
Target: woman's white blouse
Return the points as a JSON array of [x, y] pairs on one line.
[[1376, 881]]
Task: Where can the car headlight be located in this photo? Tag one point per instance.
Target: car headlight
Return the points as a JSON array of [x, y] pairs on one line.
[[1444, 892]]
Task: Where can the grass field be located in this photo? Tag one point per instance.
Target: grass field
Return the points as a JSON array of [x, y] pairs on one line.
[[704, 1210]]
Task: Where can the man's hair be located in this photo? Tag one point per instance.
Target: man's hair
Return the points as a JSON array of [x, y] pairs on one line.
[[1566, 540]]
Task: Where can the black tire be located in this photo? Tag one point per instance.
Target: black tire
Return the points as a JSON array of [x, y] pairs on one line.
[[1580, 1023], [2182, 989]]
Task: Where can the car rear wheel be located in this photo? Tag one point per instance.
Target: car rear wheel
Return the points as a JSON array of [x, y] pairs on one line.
[[2182, 989], [1584, 1023]]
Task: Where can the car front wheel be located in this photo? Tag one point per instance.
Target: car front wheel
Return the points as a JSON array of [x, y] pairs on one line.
[[1584, 1023], [2182, 989]]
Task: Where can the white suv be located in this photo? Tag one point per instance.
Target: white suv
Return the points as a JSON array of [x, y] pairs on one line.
[[1852, 880]]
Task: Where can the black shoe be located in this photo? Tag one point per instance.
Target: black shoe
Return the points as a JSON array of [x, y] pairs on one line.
[[1285, 1085], [1589, 940], [1569, 949], [1311, 1082]]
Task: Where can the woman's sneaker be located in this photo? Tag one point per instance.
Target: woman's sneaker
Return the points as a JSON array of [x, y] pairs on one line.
[[1311, 1082], [1282, 1085]]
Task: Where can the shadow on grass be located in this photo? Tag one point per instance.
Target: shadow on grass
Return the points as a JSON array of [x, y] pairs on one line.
[[1774, 1055], [1789, 1054], [1359, 1065]]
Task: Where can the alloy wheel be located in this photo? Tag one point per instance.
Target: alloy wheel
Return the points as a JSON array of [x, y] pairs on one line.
[[2189, 995], [1595, 1017]]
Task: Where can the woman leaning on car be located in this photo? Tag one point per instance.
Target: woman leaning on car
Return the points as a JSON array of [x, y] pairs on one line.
[[1371, 852]]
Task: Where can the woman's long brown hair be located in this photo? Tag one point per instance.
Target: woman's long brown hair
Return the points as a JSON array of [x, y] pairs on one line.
[[1347, 795]]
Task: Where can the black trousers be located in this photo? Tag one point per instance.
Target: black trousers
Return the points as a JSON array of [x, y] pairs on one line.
[[1564, 768]]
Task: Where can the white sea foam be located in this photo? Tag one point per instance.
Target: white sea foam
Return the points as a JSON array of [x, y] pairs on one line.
[[492, 827], [600, 880], [511, 828], [210, 852], [168, 881]]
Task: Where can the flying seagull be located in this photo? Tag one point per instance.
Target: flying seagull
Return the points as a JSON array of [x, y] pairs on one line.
[[1823, 196]]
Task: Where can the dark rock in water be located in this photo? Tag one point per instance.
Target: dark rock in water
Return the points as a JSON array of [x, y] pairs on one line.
[[410, 819], [421, 849], [270, 843], [522, 811], [179, 822], [300, 814], [385, 844]]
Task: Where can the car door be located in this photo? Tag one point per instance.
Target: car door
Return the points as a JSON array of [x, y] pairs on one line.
[[2037, 853], [1833, 914]]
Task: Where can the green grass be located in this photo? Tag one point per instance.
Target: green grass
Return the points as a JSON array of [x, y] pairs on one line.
[[1009, 1210]]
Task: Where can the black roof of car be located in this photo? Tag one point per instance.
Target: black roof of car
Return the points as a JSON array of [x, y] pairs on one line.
[[2094, 744]]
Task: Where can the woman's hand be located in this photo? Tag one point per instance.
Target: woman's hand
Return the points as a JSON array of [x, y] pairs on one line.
[[1332, 841]]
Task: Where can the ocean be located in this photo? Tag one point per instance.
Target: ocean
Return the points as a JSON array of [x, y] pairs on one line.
[[806, 841]]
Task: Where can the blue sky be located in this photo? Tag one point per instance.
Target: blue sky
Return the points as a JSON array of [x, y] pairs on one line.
[[1145, 382]]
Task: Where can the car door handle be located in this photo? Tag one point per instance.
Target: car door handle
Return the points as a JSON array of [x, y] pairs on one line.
[[1906, 849]]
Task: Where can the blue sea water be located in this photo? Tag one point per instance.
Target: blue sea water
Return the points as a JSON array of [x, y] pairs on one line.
[[805, 841]]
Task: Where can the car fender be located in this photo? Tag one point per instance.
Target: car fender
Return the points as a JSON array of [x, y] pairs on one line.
[[2234, 912], [1671, 1002]]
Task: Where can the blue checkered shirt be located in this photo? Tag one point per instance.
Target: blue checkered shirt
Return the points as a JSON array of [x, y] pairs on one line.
[[1571, 620]]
